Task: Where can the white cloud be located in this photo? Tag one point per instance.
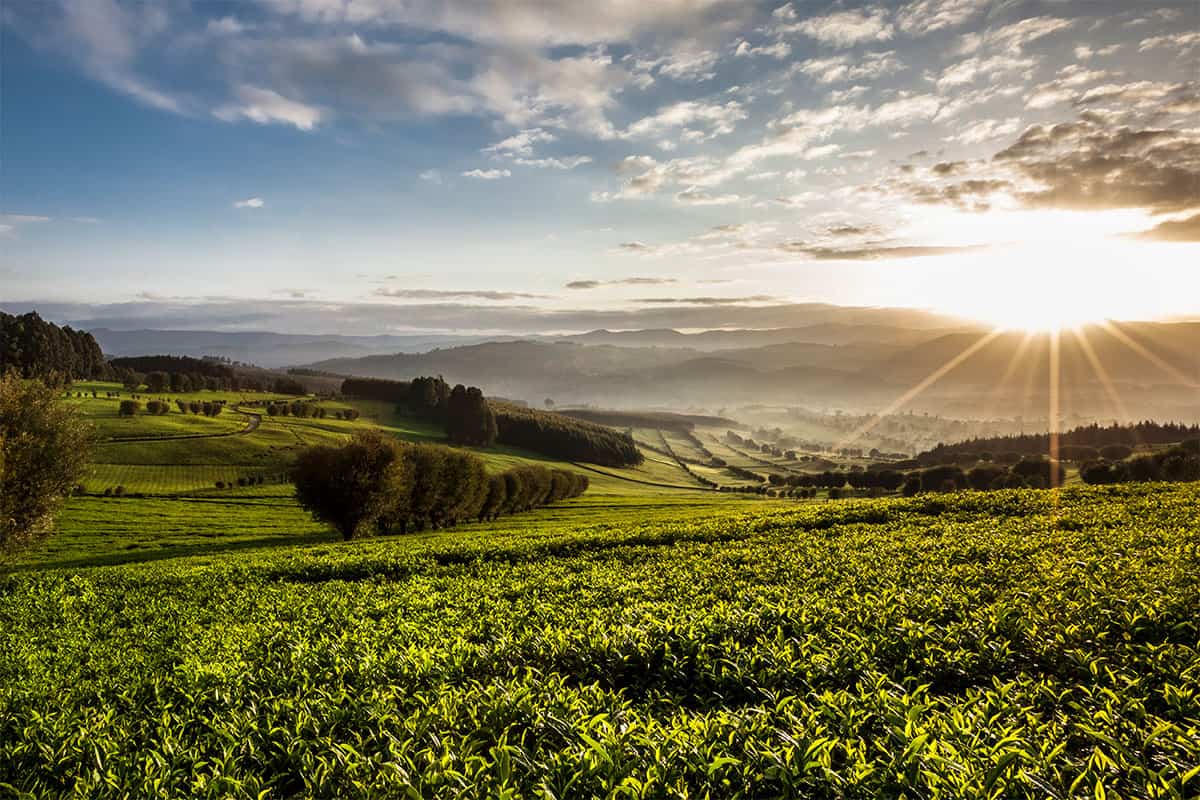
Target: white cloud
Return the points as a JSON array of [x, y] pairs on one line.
[[927, 16], [1013, 38], [1182, 43], [848, 28], [972, 69], [838, 69], [778, 50], [253, 202], [569, 162], [985, 130], [690, 65], [699, 197], [11, 223], [487, 174], [430, 176], [265, 106], [717, 118], [225, 26], [512, 23], [521, 143]]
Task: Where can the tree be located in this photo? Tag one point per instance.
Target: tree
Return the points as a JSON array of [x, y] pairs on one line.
[[128, 408], [1116, 452], [945, 478], [469, 420], [157, 382], [983, 477], [44, 450], [352, 486]]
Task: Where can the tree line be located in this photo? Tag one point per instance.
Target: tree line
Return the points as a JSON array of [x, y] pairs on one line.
[[1176, 464], [305, 409], [35, 348], [1094, 435], [470, 418], [178, 374], [378, 484]]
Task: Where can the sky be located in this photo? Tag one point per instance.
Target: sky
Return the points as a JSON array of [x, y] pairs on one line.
[[388, 166]]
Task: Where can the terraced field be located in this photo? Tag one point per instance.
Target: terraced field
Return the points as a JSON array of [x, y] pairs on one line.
[[1006, 644]]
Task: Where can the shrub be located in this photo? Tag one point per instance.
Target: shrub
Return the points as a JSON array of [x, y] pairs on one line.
[[1078, 453], [1116, 452], [128, 408], [44, 449], [943, 479], [352, 486], [983, 477], [1039, 472], [1099, 471]]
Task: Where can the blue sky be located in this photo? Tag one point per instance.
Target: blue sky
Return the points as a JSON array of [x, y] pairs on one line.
[[505, 165]]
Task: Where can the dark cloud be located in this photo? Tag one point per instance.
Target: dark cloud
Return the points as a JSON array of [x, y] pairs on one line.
[[635, 281], [1181, 230], [946, 168], [872, 252], [848, 230], [451, 294], [707, 301], [1087, 165], [973, 194]]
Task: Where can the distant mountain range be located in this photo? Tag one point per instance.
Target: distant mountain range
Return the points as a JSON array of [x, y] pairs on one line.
[[1145, 369], [863, 363], [264, 349]]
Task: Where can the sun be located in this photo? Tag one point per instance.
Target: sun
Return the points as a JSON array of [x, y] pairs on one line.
[[1060, 271]]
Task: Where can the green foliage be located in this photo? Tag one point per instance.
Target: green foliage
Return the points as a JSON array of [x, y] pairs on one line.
[[414, 486], [351, 486], [1000, 645], [34, 348], [44, 450], [562, 437], [469, 420]]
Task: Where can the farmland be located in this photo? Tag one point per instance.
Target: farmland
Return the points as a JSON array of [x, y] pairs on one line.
[[652, 638], [1018, 643]]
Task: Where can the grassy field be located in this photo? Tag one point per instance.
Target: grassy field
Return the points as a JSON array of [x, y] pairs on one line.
[[1009, 644]]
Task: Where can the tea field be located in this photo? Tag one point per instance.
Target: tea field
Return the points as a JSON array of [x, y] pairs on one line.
[[668, 644]]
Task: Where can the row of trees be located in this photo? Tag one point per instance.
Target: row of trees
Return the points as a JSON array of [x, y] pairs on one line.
[[1180, 463], [34, 348], [469, 418], [377, 483], [563, 437], [305, 409], [209, 408], [1092, 436], [463, 410], [179, 374]]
